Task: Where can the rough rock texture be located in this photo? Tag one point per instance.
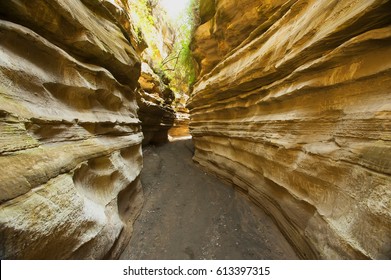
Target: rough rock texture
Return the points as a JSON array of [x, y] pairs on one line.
[[224, 26], [156, 113], [70, 142], [293, 106], [154, 98], [151, 23]]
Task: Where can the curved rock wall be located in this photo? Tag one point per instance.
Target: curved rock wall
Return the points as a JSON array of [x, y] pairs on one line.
[[70, 142], [293, 107]]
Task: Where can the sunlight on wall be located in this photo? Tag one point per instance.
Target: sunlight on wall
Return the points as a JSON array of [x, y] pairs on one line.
[[174, 7]]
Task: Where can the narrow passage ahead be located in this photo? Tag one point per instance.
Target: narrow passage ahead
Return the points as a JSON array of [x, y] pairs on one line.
[[189, 214]]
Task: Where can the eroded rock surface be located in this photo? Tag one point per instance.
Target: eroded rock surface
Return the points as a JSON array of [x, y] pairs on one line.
[[156, 112], [293, 106], [154, 97], [70, 142]]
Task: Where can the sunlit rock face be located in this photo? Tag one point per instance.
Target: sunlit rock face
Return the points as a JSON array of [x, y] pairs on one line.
[[180, 127], [70, 142], [156, 112], [293, 106], [154, 98]]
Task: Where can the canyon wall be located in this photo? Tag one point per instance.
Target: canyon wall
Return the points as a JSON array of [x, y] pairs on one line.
[[70, 142], [292, 106]]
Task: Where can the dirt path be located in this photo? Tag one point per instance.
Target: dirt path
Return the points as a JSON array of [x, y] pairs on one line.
[[189, 214]]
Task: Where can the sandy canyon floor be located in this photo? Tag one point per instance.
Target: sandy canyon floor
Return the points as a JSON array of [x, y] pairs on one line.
[[189, 214]]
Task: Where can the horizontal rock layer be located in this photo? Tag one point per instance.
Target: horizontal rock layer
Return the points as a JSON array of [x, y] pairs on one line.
[[156, 113], [70, 142], [296, 112]]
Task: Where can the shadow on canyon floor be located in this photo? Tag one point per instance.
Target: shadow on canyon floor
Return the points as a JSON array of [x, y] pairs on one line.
[[189, 214]]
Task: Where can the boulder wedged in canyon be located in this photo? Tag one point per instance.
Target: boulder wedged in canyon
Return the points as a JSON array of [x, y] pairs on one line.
[[292, 105], [70, 142]]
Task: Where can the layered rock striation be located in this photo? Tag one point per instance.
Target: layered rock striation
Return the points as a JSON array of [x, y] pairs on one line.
[[293, 106], [156, 112], [155, 38], [70, 142]]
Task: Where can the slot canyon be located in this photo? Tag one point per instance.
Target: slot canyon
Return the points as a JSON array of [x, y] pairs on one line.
[[266, 135]]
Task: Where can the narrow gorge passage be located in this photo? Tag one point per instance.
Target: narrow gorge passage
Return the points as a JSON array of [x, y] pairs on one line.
[[189, 214], [287, 100]]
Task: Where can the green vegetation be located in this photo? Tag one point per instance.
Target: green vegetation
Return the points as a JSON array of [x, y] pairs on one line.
[[173, 59], [144, 24], [181, 68]]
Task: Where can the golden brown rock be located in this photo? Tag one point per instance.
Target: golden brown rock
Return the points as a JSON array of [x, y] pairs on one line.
[[156, 113], [180, 127], [296, 112], [231, 26], [154, 98], [70, 142]]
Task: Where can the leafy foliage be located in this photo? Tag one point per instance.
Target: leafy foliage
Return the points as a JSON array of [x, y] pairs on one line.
[[175, 63], [179, 65], [145, 24]]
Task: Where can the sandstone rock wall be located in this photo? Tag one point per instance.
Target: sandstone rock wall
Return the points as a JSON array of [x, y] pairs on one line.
[[70, 142], [156, 112], [154, 97], [293, 107]]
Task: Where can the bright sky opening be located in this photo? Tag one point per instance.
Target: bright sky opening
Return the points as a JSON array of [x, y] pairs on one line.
[[174, 7]]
